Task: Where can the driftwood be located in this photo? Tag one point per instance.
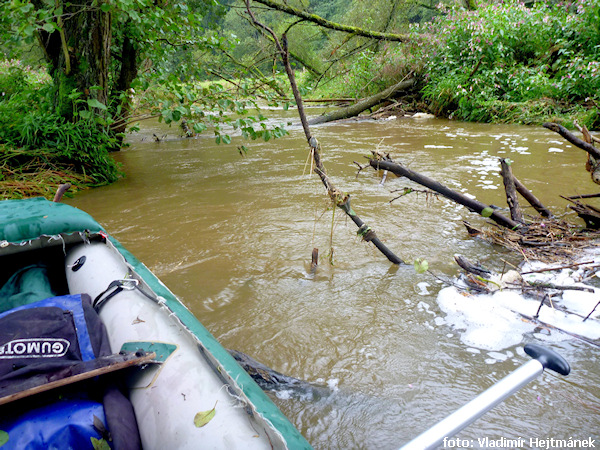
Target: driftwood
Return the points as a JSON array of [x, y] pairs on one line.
[[590, 214], [511, 191], [593, 151], [470, 267], [481, 283], [362, 105], [271, 380], [385, 163], [339, 198], [511, 183]]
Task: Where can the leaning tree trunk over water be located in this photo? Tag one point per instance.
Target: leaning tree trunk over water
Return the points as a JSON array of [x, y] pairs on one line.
[[339, 198], [472, 204], [362, 105], [588, 147]]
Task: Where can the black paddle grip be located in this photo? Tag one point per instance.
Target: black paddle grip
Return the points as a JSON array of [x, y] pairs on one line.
[[548, 358]]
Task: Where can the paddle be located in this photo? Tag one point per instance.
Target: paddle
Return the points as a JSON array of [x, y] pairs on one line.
[[543, 358]]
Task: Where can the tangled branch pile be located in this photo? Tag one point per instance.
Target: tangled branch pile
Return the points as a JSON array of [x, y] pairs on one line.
[[546, 240]]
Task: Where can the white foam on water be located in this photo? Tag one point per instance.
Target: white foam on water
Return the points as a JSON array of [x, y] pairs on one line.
[[494, 322]]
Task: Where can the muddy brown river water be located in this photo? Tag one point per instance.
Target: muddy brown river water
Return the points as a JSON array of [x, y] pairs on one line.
[[232, 237]]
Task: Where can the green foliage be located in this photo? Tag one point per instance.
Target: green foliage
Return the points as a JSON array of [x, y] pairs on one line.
[[99, 444], [481, 63], [29, 121], [164, 50]]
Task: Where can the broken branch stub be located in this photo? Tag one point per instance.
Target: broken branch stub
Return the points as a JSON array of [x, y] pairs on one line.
[[511, 192]]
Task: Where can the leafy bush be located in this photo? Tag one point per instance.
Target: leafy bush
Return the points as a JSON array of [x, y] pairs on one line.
[[510, 53], [28, 121]]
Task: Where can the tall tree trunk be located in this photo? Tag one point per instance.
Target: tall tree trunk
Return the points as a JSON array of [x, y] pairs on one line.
[[79, 53], [128, 73]]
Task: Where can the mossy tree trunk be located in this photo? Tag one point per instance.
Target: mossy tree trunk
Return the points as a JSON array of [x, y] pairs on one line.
[[128, 72], [79, 52]]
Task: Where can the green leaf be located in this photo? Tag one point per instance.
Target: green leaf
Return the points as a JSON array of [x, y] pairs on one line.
[[85, 114], [29, 30], [226, 139], [3, 438], [93, 103], [421, 265], [203, 417], [487, 212], [199, 127], [105, 7], [49, 27], [99, 444]]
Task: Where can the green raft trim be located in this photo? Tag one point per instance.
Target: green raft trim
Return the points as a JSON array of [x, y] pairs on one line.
[[26, 220], [37, 219], [263, 404]]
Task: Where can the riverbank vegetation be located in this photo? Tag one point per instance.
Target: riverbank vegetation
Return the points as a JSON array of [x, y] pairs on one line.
[[205, 63]]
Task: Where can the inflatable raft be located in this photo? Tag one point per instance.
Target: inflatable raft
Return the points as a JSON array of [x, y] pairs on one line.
[[189, 392]]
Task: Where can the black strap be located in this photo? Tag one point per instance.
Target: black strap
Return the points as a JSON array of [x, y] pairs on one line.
[[100, 299], [120, 285]]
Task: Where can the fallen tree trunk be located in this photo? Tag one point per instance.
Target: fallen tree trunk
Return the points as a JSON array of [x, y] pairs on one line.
[[362, 105], [471, 204]]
